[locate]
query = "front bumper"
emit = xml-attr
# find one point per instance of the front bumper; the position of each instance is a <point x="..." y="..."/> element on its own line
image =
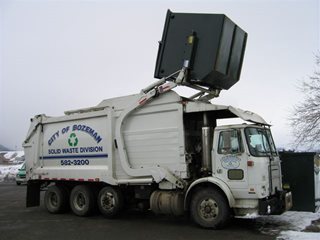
<point x="277" y="204"/>
<point x="21" y="179"/>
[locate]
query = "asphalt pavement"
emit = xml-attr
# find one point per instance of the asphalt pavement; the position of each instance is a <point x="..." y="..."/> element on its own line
<point x="19" y="222"/>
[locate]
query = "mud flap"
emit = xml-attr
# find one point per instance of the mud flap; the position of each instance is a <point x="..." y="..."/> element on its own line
<point x="33" y="194"/>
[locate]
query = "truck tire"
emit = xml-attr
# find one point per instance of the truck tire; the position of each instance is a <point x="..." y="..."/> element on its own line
<point x="110" y="201"/>
<point x="56" y="199"/>
<point x="209" y="208"/>
<point x="82" y="200"/>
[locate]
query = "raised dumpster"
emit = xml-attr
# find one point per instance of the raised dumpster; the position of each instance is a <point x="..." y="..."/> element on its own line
<point x="210" y="45"/>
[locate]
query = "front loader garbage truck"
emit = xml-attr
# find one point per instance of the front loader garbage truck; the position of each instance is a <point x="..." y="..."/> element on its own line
<point x="157" y="150"/>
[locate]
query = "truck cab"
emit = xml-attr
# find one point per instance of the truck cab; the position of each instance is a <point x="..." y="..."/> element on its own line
<point x="245" y="157"/>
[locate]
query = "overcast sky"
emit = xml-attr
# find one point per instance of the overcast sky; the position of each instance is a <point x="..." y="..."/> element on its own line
<point x="63" y="55"/>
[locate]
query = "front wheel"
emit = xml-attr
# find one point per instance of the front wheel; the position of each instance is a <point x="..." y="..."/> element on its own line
<point x="209" y="208"/>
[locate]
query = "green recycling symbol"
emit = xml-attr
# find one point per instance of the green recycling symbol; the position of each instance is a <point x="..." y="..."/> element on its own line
<point x="73" y="140"/>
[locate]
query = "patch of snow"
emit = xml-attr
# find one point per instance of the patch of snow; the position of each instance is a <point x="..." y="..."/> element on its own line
<point x="249" y="216"/>
<point x="288" y="225"/>
<point x="293" y="235"/>
<point x="291" y="220"/>
<point x="14" y="154"/>
<point x="14" y="157"/>
<point x="8" y="173"/>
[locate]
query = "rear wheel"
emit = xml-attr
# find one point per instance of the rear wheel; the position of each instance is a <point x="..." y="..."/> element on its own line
<point x="82" y="200"/>
<point x="56" y="199"/>
<point x="110" y="201"/>
<point x="209" y="208"/>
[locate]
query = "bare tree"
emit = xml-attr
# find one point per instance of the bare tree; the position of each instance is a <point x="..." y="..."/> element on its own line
<point x="305" y="118"/>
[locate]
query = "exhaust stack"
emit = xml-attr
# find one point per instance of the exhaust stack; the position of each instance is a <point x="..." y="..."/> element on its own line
<point x="207" y="136"/>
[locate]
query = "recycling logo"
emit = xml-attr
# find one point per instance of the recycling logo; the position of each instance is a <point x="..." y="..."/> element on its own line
<point x="73" y="140"/>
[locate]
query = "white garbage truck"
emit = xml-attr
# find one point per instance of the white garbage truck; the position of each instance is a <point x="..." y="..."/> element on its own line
<point x="159" y="151"/>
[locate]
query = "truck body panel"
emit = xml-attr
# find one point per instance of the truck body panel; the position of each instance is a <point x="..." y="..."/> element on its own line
<point x="82" y="146"/>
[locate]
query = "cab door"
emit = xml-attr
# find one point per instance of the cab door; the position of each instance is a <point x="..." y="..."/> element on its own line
<point x="230" y="160"/>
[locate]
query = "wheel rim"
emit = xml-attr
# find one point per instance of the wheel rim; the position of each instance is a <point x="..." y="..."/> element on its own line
<point x="53" y="199"/>
<point x="79" y="202"/>
<point x="208" y="209"/>
<point x="107" y="201"/>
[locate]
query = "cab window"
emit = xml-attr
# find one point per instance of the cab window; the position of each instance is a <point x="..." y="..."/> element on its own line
<point x="229" y="142"/>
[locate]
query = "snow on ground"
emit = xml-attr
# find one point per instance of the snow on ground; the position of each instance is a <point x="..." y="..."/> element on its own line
<point x="14" y="157"/>
<point x="9" y="172"/>
<point x="290" y="220"/>
<point x="293" y="235"/>
<point x="11" y="157"/>
<point x="289" y="225"/>
<point x="14" y="154"/>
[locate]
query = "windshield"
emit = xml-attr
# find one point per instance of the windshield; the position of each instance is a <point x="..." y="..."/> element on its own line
<point x="260" y="142"/>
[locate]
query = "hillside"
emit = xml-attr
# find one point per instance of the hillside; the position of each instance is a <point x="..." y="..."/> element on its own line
<point x="3" y="148"/>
